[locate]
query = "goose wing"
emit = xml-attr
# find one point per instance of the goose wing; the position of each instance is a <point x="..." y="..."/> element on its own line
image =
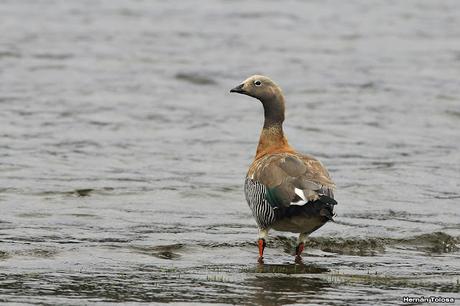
<point x="293" y="179"/>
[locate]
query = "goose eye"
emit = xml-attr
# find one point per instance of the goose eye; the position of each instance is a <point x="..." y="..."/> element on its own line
<point x="257" y="83"/>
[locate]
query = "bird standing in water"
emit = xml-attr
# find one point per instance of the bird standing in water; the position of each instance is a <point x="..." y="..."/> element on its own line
<point x="286" y="190"/>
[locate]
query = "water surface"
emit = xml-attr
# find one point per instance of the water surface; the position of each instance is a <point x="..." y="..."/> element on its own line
<point x="123" y="155"/>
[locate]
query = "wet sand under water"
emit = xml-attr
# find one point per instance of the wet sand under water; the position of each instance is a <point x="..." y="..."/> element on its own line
<point x="123" y="155"/>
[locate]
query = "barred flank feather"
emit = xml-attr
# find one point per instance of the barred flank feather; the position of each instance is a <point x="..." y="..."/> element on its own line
<point x="261" y="210"/>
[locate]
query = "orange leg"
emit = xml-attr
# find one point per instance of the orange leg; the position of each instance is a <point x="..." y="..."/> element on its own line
<point x="299" y="249"/>
<point x="262" y="245"/>
<point x="300" y="246"/>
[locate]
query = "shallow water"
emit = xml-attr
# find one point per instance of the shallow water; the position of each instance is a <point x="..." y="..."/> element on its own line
<point x="123" y="154"/>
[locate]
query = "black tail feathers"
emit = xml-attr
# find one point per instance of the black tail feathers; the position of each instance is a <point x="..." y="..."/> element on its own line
<point x="328" y="210"/>
<point x="324" y="207"/>
<point x="327" y="200"/>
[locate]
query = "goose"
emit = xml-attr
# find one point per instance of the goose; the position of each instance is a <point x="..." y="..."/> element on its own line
<point x="286" y="190"/>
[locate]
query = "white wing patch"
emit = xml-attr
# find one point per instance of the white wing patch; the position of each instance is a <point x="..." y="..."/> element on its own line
<point x="301" y="194"/>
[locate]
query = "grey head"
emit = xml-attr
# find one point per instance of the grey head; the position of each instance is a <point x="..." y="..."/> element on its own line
<point x="259" y="87"/>
<point x="270" y="94"/>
